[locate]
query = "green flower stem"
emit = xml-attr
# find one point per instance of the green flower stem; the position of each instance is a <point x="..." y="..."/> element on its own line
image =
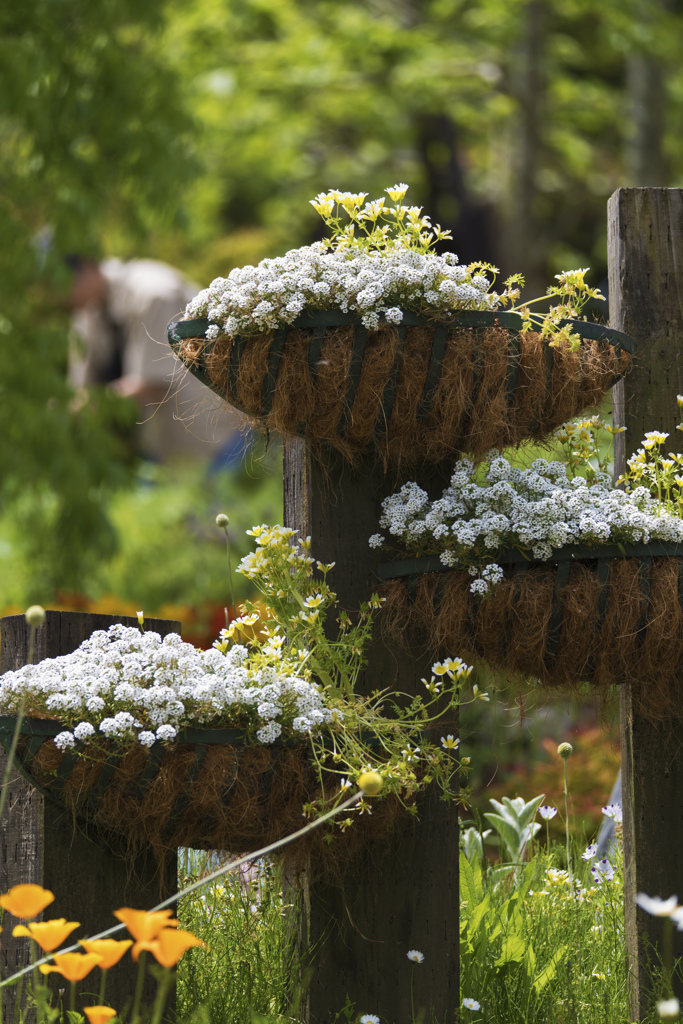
<point x="163" y="988"/>
<point x="412" y="1001"/>
<point x="566" y="823"/>
<point x="72" y="996"/>
<point x="103" y="983"/>
<point x="135" y="1013"/>
<point x="225" y="528"/>
<point x="668" y="955"/>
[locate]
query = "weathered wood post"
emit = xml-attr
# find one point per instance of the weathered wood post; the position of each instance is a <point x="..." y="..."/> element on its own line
<point x="645" y="229"/>
<point x="40" y="843"/>
<point x="396" y="896"/>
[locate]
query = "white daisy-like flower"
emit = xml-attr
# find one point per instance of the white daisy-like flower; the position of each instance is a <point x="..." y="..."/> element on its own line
<point x="656" y="906"/>
<point x="415" y="955"/>
<point x="369" y="1018"/>
<point x="471" y="1004"/>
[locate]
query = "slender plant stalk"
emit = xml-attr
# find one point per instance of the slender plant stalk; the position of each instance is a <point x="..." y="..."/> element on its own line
<point x="72" y="996"/>
<point x="103" y="983"/>
<point x="17" y="727"/>
<point x="135" y="1013"/>
<point x="566" y="823"/>
<point x="223" y="523"/>
<point x="163" y="988"/>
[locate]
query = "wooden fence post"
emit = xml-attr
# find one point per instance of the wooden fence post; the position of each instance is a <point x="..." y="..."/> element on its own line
<point x="39" y="843"/>
<point x="645" y="231"/>
<point x="401" y="895"/>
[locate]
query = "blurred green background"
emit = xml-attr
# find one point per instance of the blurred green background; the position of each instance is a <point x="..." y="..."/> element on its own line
<point x="195" y="132"/>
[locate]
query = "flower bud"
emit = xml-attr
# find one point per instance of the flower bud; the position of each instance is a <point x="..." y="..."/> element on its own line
<point x="370" y="783"/>
<point x="35" y="615"/>
<point x="222" y="521"/>
<point x="565" y="750"/>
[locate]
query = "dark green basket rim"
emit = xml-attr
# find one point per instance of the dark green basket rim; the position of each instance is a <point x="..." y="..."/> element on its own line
<point x="513" y="556"/>
<point x="178" y="329"/>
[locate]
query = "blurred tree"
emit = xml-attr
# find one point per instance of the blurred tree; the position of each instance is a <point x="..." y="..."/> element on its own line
<point x="513" y="120"/>
<point x="91" y="131"/>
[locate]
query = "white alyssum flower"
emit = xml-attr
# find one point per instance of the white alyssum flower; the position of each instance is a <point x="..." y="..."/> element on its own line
<point x="539" y="510"/>
<point x="64" y="740"/>
<point x="377" y="286"/>
<point x="124" y="684"/>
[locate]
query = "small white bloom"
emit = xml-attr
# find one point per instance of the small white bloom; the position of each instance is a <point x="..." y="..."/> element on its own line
<point x="669" y="1009"/>
<point x="656" y="906"/>
<point x="83" y="730"/>
<point x="369" y="1018"/>
<point x="166" y="732"/>
<point x="415" y="955"/>
<point x="613" y="811"/>
<point x="64" y="740"/>
<point x="547" y="812"/>
<point x="146" y="738"/>
<point x="590" y="852"/>
<point x="471" y="1004"/>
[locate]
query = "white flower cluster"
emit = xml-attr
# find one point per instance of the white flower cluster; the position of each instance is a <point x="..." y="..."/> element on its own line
<point x="123" y="683"/>
<point x="538" y="509"/>
<point x="374" y="285"/>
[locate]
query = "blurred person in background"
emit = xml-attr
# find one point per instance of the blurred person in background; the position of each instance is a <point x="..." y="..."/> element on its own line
<point x="120" y="312"/>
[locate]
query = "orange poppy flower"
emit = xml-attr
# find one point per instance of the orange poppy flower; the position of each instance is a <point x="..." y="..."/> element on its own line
<point x="72" y="966"/>
<point x="144" y="925"/>
<point x="26" y="900"/>
<point x="48" y="934"/>
<point x="99" y="1014"/>
<point x="169" y="946"/>
<point x="110" y="950"/>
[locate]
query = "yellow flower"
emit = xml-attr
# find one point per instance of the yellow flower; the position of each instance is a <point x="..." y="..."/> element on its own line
<point x="144" y="925"/>
<point x="110" y="950"/>
<point x="99" y="1014"/>
<point x="440" y="668"/>
<point x="26" y="900"/>
<point x="72" y="966"/>
<point x="169" y="946"/>
<point x="48" y="934"/>
<point x="449" y="743"/>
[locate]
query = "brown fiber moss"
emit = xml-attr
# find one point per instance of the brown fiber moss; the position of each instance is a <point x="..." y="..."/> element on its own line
<point x="241" y="799"/>
<point x="470" y="410"/>
<point x="638" y="640"/>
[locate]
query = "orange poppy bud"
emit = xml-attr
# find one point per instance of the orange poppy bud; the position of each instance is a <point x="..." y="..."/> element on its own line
<point x="72" y="966"/>
<point x="110" y="950"/>
<point x="99" y="1014"/>
<point x="169" y="946"/>
<point x="144" y="925"/>
<point x="26" y="900"/>
<point x="48" y="934"/>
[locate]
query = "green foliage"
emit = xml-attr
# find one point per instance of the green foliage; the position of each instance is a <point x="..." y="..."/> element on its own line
<point x="91" y="128"/>
<point x="522" y="108"/>
<point x="251" y="972"/>
<point x="169" y="551"/>
<point x="515" y="824"/>
<point x="534" y="948"/>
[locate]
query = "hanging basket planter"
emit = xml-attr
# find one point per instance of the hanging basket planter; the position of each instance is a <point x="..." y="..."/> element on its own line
<point x="423" y="391"/>
<point x="609" y="615"/>
<point x="208" y="790"/>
